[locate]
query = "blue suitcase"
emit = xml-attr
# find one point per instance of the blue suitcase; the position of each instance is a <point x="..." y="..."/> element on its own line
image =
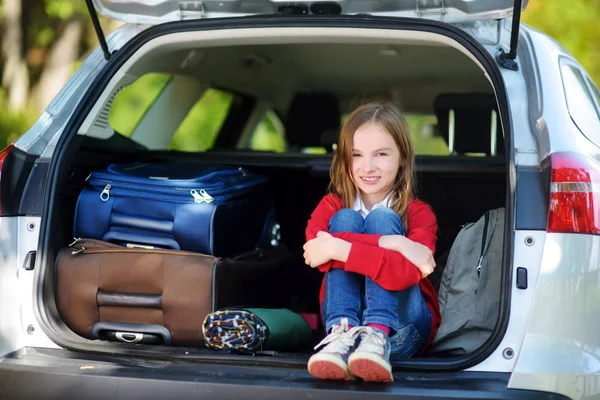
<point x="218" y="210"/>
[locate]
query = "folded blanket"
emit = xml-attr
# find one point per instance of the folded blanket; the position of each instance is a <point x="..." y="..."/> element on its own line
<point x="254" y="329"/>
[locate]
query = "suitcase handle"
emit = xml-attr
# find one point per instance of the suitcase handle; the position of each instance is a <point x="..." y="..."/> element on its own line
<point x="136" y="238"/>
<point x="143" y="223"/>
<point x="124" y="330"/>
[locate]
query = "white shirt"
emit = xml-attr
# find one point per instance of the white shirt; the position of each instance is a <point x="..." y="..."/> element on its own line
<point x="362" y="209"/>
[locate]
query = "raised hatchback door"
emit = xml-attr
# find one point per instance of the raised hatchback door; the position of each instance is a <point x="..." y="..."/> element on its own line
<point x="159" y="11"/>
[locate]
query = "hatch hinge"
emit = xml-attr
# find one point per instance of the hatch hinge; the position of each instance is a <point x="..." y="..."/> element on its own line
<point x="194" y="9"/>
<point x="98" y="29"/>
<point x="507" y="60"/>
<point x="430" y="7"/>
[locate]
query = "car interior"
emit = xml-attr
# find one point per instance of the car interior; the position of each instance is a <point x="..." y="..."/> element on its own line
<point x="305" y="89"/>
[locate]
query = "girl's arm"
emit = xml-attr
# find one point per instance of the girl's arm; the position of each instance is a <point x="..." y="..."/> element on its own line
<point x="391" y="269"/>
<point x="388" y="260"/>
<point x="319" y="222"/>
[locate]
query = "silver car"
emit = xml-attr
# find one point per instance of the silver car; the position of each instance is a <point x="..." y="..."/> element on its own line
<point x="502" y="116"/>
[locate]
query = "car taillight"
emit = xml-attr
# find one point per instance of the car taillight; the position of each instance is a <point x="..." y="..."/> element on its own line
<point x="574" y="194"/>
<point x="3" y="155"/>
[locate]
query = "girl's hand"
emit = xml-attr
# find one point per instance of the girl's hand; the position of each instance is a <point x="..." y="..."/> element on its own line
<point x="325" y="248"/>
<point x="414" y="252"/>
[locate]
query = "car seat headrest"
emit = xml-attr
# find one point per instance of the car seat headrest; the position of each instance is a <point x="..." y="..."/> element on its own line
<point x="310" y="115"/>
<point x="470" y="123"/>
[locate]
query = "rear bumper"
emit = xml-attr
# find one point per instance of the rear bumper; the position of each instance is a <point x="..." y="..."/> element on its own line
<point x="61" y="374"/>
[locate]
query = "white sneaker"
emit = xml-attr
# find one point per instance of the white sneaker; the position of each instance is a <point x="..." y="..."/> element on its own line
<point x="332" y="361"/>
<point x="371" y="359"/>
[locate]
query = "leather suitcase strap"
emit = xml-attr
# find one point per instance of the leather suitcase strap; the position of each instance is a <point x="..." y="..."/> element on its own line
<point x="102" y="282"/>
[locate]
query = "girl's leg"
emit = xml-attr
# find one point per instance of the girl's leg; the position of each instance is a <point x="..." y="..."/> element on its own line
<point x="341" y="307"/>
<point x="385" y="310"/>
<point x="414" y="322"/>
<point x="343" y="290"/>
<point x="381" y="305"/>
<point x="407" y="315"/>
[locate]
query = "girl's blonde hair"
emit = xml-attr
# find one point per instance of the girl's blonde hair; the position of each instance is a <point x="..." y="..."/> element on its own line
<point x="388" y="118"/>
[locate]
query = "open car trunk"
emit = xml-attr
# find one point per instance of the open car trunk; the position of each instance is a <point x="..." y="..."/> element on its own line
<point x="351" y="61"/>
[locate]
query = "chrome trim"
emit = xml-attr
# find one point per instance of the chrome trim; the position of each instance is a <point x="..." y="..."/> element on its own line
<point x="494" y="134"/>
<point x="137" y="337"/>
<point x="585" y="187"/>
<point x="451" y="133"/>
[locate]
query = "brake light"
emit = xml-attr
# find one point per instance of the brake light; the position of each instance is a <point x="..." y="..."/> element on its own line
<point x="3" y="155"/>
<point x="574" y="194"/>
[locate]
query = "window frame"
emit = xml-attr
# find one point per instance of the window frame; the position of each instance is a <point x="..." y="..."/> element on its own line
<point x="585" y="86"/>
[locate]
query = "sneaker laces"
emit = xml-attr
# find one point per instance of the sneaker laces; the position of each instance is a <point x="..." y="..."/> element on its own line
<point x="372" y="340"/>
<point x="341" y="339"/>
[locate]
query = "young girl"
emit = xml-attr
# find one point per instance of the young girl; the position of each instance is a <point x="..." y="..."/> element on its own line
<point x="374" y="291"/>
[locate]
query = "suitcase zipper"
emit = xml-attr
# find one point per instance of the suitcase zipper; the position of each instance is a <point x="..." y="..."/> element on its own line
<point x="176" y="184"/>
<point x="201" y="197"/>
<point x="91" y="246"/>
<point x="483" y="242"/>
<point x="198" y="195"/>
<point x="105" y="195"/>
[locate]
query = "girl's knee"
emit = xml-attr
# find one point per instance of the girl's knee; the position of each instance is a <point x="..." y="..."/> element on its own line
<point x="346" y="220"/>
<point x="385" y="221"/>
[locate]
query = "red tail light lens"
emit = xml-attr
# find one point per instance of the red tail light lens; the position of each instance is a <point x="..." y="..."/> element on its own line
<point x="574" y="194"/>
<point x="3" y="155"/>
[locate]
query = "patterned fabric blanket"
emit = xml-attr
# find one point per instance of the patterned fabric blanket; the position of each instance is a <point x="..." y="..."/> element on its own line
<point x="231" y="329"/>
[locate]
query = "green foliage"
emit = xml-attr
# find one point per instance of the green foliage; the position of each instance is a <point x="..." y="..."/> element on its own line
<point x="130" y="105"/>
<point x="575" y="24"/>
<point x="12" y="124"/>
<point x="426" y="139"/>
<point x="269" y="134"/>
<point x="199" y="129"/>
<point x="45" y="36"/>
<point x="64" y="9"/>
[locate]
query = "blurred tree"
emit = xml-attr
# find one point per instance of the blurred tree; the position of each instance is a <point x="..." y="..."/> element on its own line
<point x="43" y="42"/>
<point x="573" y="23"/>
<point x="65" y="27"/>
<point x="15" y="77"/>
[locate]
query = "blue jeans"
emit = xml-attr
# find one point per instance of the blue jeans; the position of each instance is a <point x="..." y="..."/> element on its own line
<point x="362" y="301"/>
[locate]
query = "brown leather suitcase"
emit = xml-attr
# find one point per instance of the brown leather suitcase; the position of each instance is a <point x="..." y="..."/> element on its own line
<point x="106" y="291"/>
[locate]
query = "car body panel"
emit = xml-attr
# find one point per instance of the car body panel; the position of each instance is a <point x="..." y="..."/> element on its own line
<point x="524" y="141"/>
<point x="60" y="374"/>
<point x="527" y="254"/>
<point x="555" y="129"/>
<point x="173" y="10"/>
<point x="561" y="346"/>
<point x="18" y="236"/>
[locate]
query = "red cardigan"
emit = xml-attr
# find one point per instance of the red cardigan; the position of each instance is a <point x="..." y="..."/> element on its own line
<point x="390" y="269"/>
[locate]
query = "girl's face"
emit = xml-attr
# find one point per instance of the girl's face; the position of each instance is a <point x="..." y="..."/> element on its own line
<point x="375" y="163"/>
